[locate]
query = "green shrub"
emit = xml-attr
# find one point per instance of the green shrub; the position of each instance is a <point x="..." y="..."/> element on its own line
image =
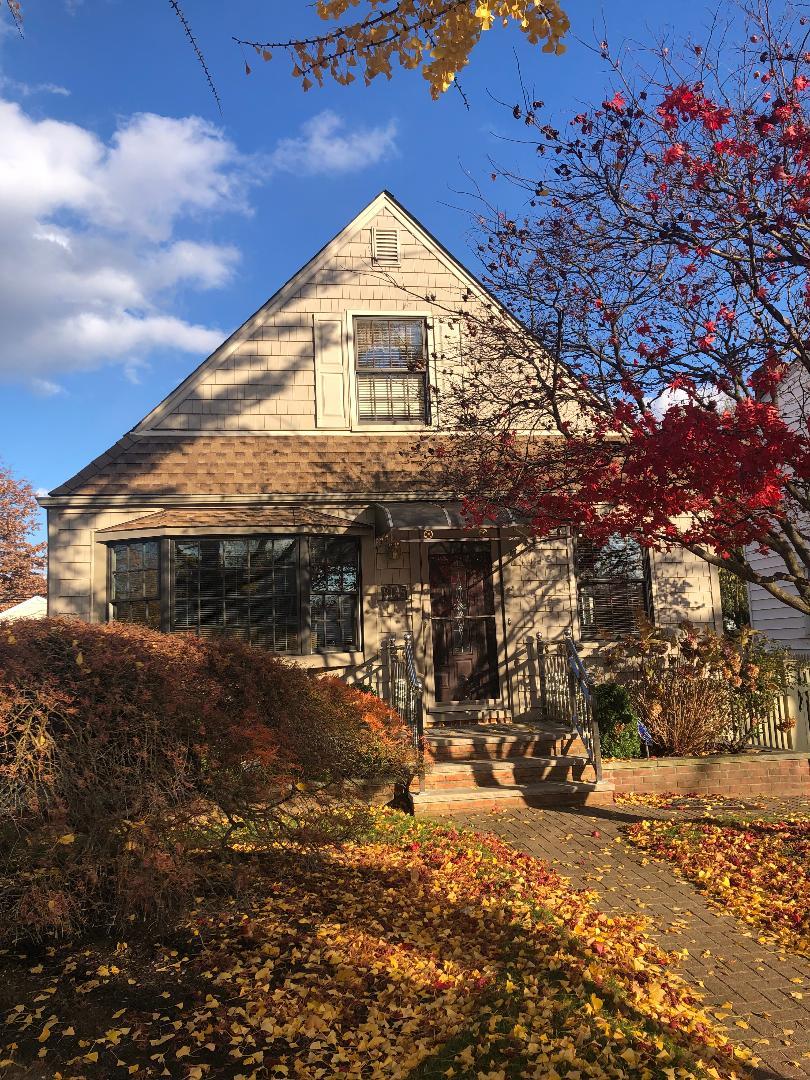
<point x="617" y="722"/>
<point x="124" y="751"/>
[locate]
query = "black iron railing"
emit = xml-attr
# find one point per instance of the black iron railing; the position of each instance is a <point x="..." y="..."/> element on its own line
<point x="566" y="694"/>
<point x="405" y="686"/>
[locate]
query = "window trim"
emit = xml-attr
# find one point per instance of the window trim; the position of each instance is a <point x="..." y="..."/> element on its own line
<point x="428" y="317"/>
<point x="592" y="636"/>
<point x="166" y="578"/>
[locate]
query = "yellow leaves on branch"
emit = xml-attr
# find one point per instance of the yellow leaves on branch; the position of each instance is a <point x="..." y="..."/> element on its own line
<point x="436" y="36"/>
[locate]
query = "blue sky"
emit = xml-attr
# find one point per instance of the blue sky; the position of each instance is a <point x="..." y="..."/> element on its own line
<point x="138" y="226"/>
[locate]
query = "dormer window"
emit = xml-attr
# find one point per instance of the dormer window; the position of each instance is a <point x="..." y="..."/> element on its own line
<point x="391" y="370"/>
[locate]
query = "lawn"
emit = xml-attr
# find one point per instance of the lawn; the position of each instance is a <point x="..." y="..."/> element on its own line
<point x="754" y="865"/>
<point x="418" y="952"/>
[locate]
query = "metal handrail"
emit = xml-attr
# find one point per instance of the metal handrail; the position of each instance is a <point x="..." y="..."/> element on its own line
<point x="405" y="687"/>
<point x="580" y="703"/>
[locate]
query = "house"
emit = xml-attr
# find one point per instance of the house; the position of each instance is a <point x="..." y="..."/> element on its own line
<point x="283" y="493"/>
<point x="33" y="607"/>
<point x="776" y="620"/>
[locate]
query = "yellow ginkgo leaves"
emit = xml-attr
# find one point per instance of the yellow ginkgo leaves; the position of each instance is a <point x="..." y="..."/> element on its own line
<point x="421" y="951"/>
<point x="434" y="35"/>
<point x="758" y="869"/>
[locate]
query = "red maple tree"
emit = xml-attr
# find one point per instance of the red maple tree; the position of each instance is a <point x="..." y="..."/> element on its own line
<point x="21" y="562"/>
<point x="659" y="266"/>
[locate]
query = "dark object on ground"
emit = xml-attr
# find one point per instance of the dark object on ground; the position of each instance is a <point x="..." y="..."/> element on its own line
<point x="402" y="800"/>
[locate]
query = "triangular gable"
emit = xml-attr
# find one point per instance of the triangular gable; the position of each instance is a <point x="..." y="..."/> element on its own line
<point x="226" y="373"/>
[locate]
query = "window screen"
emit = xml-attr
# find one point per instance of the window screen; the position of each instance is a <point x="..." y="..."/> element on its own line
<point x="246" y="587"/>
<point x="135" y="582"/>
<point x="391" y="370"/>
<point x="613" y="585"/>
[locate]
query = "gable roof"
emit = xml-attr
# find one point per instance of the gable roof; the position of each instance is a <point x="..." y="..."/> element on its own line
<point x="385" y="201"/>
<point x="232" y="465"/>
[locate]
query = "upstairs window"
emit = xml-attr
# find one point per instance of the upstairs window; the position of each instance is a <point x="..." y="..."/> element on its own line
<point x="135" y="582"/>
<point x="613" y="587"/>
<point x="391" y="370"/>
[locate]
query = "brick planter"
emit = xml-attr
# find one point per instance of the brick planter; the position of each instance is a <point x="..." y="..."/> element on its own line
<point x="780" y="773"/>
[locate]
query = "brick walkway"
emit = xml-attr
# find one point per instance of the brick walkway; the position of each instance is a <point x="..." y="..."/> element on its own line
<point x="769" y="990"/>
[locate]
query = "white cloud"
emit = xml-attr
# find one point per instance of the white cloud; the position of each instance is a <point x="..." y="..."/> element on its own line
<point x="326" y="146"/>
<point x="24" y="89"/>
<point x="97" y="237"/>
<point x="46" y="387"/>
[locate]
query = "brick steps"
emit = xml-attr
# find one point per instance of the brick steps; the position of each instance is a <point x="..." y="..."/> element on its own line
<point x="492" y="766"/>
<point x="498" y="742"/>
<point x="504" y="773"/>
<point x="545" y="793"/>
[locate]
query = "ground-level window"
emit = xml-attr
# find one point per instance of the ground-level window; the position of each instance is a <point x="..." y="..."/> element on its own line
<point x="391" y="370"/>
<point x="290" y="594"/>
<point x="135" y="582"/>
<point x="334" y="572"/>
<point x="613" y="587"/>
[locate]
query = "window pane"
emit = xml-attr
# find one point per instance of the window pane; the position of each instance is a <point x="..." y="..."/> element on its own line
<point x="245" y="587"/>
<point x="334" y="592"/>
<point x="613" y="587"/>
<point x="391" y="398"/>
<point x="389" y="344"/>
<point x="135" y="582"/>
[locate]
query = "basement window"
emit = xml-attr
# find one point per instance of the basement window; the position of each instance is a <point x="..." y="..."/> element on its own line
<point x="391" y="370"/>
<point x="613" y="587"/>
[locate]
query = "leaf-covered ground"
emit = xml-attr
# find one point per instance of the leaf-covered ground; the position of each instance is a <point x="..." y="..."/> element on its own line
<point x="753" y="865"/>
<point x="421" y="952"/>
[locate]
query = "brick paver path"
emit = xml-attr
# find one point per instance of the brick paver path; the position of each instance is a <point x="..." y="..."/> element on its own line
<point x="769" y="990"/>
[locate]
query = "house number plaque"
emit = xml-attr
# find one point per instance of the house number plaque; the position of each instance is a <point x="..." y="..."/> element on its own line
<point x="393" y="592"/>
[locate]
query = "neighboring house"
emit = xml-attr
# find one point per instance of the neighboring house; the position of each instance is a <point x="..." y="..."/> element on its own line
<point x="279" y="494"/>
<point x="34" y="607"/>
<point x="778" y="621"/>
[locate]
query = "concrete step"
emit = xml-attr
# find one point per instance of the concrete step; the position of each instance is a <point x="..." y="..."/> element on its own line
<point x="548" y="793"/>
<point x="501" y="742"/>
<point x="446" y="776"/>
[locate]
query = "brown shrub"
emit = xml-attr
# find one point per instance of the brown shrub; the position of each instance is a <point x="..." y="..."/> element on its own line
<point x="697" y="691"/>
<point x="123" y="752"/>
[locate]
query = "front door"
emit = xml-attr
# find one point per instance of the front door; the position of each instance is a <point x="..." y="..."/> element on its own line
<point x="462" y="601"/>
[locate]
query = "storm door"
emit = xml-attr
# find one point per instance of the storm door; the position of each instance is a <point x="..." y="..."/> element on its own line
<point x="462" y="601"/>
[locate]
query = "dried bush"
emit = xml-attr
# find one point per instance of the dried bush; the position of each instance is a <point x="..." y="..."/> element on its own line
<point x="697" y="691"/>
<point x="125" y="752"/>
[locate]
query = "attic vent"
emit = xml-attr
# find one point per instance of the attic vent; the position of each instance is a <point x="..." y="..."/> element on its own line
<point x="385" y="247"/>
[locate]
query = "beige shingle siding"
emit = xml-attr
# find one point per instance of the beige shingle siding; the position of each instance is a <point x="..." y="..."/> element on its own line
<point x="268" y="384"/>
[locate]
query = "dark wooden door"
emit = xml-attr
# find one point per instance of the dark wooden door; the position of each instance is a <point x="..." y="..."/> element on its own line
<point x="462" y="601"/>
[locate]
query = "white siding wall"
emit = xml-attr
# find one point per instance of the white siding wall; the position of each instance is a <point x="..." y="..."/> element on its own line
<point x="769" y="615"/>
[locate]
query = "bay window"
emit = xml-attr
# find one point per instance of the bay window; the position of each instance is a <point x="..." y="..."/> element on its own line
<point x="289" y="594"/>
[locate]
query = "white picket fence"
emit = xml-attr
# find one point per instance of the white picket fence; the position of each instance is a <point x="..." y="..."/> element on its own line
<point x="793" y="705"/>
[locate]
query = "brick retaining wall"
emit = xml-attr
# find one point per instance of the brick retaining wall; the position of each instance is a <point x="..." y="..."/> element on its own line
<point x="776" y="773"/>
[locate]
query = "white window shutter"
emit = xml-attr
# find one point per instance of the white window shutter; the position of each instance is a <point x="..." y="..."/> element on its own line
<point x="385" y="247"/>
<point x="331" y="381"/>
